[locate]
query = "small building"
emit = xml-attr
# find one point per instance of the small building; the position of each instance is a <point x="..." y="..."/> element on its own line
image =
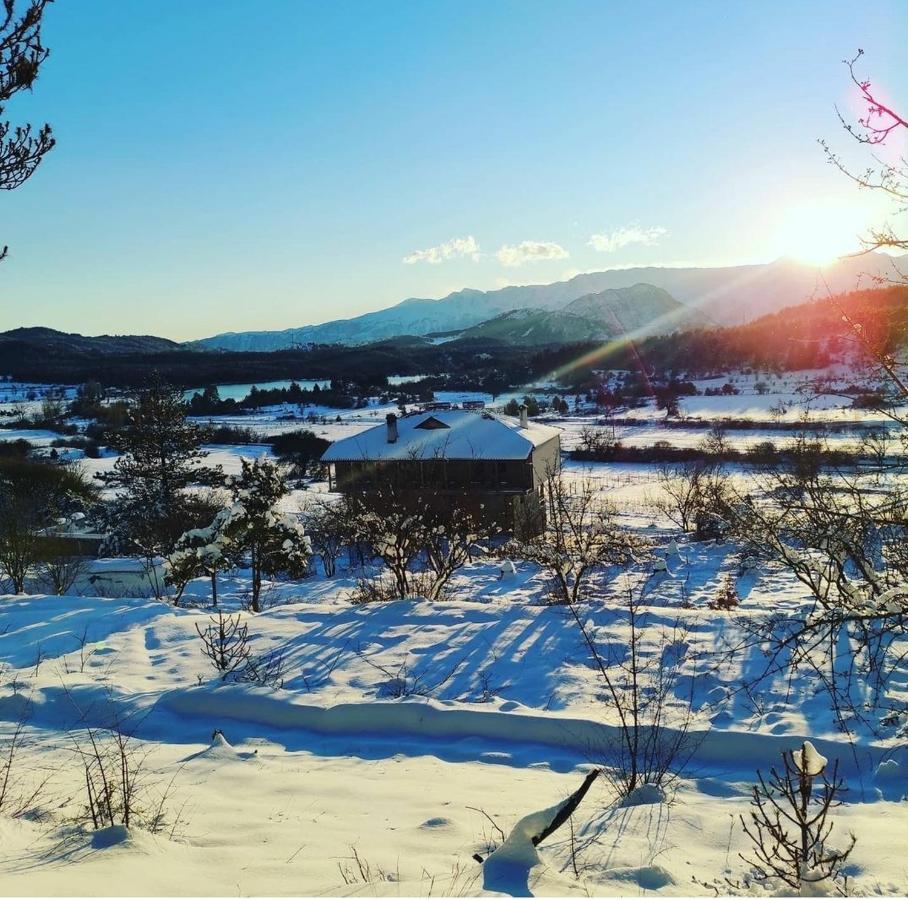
<point x="494" y="466"/>
<point x="127" y="577"/>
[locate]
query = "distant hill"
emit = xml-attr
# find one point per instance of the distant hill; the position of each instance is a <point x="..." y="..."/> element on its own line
<point x="49" y="342"/>
<point x="638" y="310"/>
<point x="806" y="336"/>
<point x="726" y="296"/>
<point x="641" y="308"/>
<point x="534" y="327"/>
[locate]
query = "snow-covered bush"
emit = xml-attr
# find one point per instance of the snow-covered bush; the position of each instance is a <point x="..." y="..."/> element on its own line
<point x="199" y="552"/>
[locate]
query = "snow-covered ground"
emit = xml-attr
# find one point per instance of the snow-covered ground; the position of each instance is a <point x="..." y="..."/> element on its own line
<point x="404" y="735"/>
<point x="400" y="725"/>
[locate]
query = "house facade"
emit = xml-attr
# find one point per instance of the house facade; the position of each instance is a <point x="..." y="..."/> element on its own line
<point x="493" y="466"/>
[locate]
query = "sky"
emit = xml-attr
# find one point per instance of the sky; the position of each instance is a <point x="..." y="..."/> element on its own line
<point x="231" y="166"/>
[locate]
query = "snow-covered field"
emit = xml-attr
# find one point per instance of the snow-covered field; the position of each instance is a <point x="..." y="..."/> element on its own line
<point x="399" y="726"/>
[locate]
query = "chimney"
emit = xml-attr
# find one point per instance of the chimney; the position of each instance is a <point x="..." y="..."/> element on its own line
<point x="523" y="415"/>
<point x="391" y="421"/>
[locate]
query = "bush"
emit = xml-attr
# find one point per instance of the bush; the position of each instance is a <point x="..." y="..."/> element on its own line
<point x="302" y="450"/>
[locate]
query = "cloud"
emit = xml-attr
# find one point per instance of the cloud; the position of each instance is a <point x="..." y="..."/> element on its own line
<point x="629" y="234"/>
<point x="453" y="249"/>
<point x="530" y="251"/>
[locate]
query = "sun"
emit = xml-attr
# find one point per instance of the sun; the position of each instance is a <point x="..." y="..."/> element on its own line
<point x="818" y="234"/>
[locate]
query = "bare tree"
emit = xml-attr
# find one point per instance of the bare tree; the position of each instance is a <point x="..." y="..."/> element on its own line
<point x="878" y="123"/>
<point x="330" y="531"/>
<point x="843" y="537"/>
<point x="684" y="492"/>
<point x="580" y="538"/>
<point x="60" y="568"/>
<point x="21" y="56"/>
<point x="32" y="495"/>
<point x="789" y="826"/>
<point x="393" y="525"/>
<point x="640" y="677"/>
<point x="452" y="536"/>
<point x="225" y="642"/>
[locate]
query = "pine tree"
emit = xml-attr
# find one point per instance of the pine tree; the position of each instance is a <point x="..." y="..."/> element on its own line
<point x="161" y="457"/>
<point x="253" y="525"/>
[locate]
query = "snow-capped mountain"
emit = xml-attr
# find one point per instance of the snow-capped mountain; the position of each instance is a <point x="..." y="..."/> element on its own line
<point x="726" y="295"/>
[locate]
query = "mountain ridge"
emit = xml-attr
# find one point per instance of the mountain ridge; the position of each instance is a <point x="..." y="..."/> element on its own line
<point x="724" y="294"/>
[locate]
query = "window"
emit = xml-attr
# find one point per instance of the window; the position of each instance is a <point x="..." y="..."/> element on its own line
<point x="431" y="424"/>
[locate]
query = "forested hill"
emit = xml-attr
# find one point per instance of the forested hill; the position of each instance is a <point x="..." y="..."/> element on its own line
<point x="809" y="335"/>
<point x="52" y="343"/>
<point x="490" y="364"/>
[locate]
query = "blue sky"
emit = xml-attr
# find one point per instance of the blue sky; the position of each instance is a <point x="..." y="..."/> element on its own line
<point x="229" y="165"/>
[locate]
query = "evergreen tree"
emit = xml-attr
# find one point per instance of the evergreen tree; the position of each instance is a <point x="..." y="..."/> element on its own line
<point x="161" y="457"/>
<point x="253" y="525"/>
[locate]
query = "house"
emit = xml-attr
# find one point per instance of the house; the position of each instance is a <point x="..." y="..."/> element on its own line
<point x="494" y="466"/>
<point x="71" y="537"/>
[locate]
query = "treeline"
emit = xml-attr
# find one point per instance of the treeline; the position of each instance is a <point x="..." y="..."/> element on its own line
<point x="764" y="453"/>
<point x="339" y="394"/>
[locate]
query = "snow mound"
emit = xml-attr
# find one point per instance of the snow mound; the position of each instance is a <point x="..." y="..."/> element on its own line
<point x="519" y="849"/>
<point x="123" y="839"/>
<point x="113" y="836"/>
<point x="436" y="822"/>
<point x="650" y="878"/>
<point x="507" y="869"/>
<point x="221" y="750"/>
<point x="643" y="795"/>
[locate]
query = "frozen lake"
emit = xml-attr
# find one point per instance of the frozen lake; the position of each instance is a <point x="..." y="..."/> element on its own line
<point x="241" y="391"/>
